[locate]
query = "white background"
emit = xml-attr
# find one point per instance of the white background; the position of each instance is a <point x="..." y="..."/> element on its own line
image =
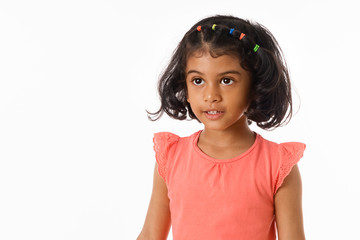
<point x="76" y="157"/>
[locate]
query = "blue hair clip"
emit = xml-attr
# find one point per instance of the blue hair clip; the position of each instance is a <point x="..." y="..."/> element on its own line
<point x="231" y="31"/>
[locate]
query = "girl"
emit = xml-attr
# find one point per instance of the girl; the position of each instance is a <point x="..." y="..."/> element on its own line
<point x="226" y="181"/>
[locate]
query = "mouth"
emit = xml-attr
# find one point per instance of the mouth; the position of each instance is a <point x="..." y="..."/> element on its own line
<point x="214" y="114"/>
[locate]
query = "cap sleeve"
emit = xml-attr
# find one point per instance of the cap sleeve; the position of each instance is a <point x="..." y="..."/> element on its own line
<point x="290" y="154"/>
<point x="164" y="145"/>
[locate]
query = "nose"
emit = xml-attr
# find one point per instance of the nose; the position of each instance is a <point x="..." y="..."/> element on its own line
<point x="212" y="94"/>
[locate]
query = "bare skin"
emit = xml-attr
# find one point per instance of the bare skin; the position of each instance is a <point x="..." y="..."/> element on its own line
<point x="288" y="210"/>
<point x="288" y="207"/>
<point x="222" y="85"/>
<point x="158" y="221"/>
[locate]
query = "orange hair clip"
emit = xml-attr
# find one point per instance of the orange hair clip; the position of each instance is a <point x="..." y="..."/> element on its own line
<point x="199" y="28"/>
<point x="242" y="35"/>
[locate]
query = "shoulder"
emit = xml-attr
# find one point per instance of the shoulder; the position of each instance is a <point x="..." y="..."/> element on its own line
<point x="162" y="137"/>
<point x="166" y="145"/>
<point x="165" y="142"/>
<point x="284" y="149"/>
<point x="165" y="135"/>
<point x="170" y="138"/>
<point x="283" y="157"/>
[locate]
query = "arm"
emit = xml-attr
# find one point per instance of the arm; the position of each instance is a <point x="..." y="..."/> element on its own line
<point x="288" y="207"/>
<point x="157" y="223"/>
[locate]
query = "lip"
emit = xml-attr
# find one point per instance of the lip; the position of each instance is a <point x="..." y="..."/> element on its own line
<point x="214" y="116"/>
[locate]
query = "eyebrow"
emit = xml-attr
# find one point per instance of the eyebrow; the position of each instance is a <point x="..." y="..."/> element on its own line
<point x="220" y="74"/>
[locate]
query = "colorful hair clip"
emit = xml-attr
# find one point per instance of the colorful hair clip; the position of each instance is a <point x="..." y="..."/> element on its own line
<point x="256" y="47"/>
<point x="199" y="28"/>
<point x="213" y="27"/>
<point x="242" y="35"/>
<point x="231" y="31"/>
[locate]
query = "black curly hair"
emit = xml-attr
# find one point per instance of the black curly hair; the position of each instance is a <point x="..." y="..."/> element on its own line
<point x="271" y="105"/>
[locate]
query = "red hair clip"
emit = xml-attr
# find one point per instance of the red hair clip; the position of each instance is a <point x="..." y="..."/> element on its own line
<point x="199" y="28"/>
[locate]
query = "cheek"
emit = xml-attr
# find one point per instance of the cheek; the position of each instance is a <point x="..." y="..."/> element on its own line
<point x="190" y="95"/>
<point x="187" y="92"/>
<point x="246" y="93"/>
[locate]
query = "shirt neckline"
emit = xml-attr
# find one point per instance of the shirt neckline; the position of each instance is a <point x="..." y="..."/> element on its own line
<point x="201" y="153"/>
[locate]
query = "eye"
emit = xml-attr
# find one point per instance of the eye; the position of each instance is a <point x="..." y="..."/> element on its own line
<point x="227" y="81"/>
<point x="198" y="81"/>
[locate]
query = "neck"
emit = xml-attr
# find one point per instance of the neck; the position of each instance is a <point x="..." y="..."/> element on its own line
<point x="237" y="135"/>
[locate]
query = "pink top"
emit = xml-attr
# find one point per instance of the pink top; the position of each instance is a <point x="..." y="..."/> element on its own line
<point x="223" y="199"/>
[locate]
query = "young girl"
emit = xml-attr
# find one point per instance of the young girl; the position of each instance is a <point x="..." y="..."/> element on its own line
<point x="226" y="182"/>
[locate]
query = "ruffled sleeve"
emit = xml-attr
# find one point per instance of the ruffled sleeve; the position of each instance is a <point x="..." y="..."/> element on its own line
<point x="290" y="154"/>
<point x="164" y="146"/>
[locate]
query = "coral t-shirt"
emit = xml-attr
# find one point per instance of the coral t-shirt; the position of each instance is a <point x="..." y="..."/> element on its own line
<point x="213" y="199"/>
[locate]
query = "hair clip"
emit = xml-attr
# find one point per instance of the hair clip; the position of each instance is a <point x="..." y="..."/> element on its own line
<point x="199" y="28"/>
<point x="256" y="47"/>
<point x="213" y="27"/>
<point x="242" y="35"/>
<point x="231" y="31"/>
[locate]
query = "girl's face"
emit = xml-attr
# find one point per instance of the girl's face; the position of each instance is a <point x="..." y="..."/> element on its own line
<point x="218" y="90"/>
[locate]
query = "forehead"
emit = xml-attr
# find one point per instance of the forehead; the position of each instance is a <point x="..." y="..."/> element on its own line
<point x="206" y="61"/>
